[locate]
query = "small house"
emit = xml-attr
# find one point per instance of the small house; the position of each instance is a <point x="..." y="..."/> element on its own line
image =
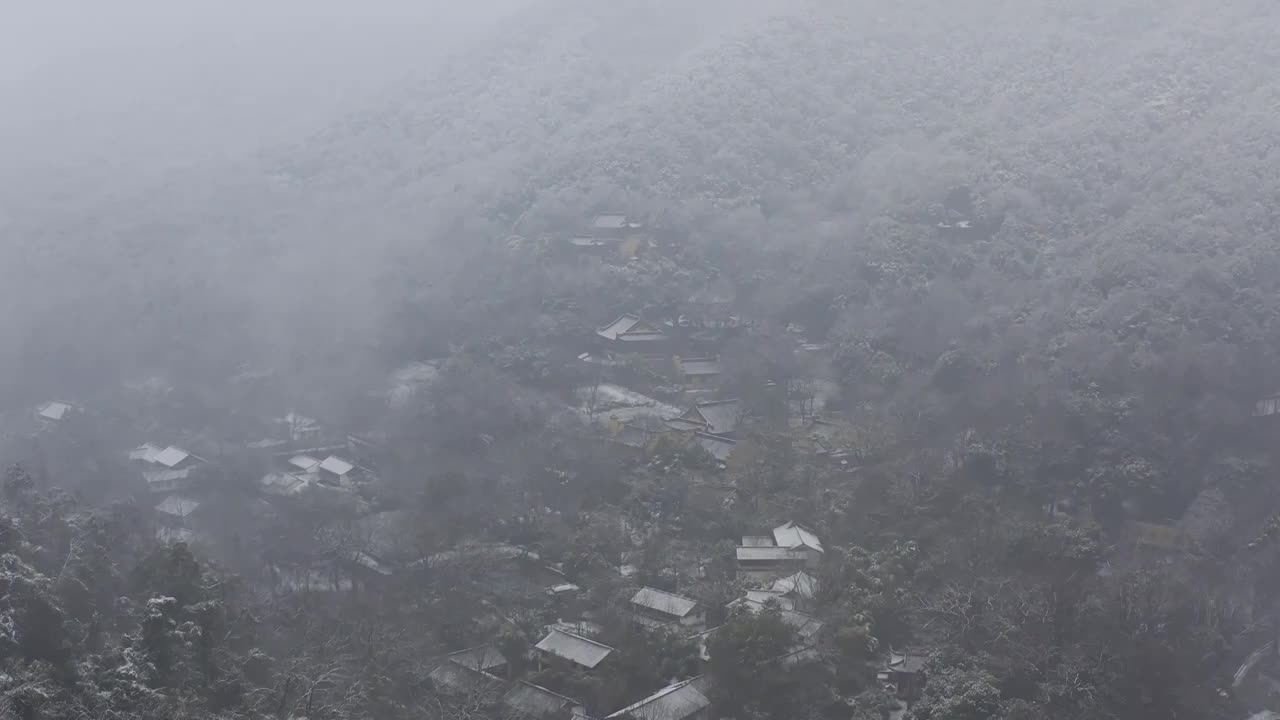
<point x="630" y="334"/>
<point x="613" y="225"/>
<point x="575" y="650"/>
<point x="336" y="470"/>
<point x="1267" y="406"/>
<point x="800" y="589"/>
<point x="791" y="549"/>
<point x="717" y="417"/>
<point x="768" y="562"/>
<point x="168" y="469"/>
<point x="53" y="412"/>
<point x="653" y="608"/>
<point x="686" y="700"/>
<point x="698" y="374"/>
<point x="798" y="537"/>
<point x="533" y="702"/>
<point x="176" y="519"/>
<point x="904" y="675"/>
<point x="719" y="446"/>
<point x="482" y="657"/>
<point x="477" y="669"/>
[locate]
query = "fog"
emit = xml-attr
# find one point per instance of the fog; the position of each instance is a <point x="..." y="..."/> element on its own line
<point x="123" y="92"/>
<point x="666" y="359"/>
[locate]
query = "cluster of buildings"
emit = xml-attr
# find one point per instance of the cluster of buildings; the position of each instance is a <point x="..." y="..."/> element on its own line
<point x="786" y="584"/>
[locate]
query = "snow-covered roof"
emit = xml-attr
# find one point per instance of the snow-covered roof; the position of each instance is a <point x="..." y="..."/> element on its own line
<point x="537" y="701"/>
<point x="795" y="535"/>
<point x="674" y="702"/>
<point x="178" y="506"/>
<point x="284" y="484"/>
<point x="609" y="221"/>
<point x="336" y="465"/>
<point x="461" y="678"/>
<point x="802" y="584"/>
<point x="483" y="657"/>
<point x="627" y="327"/>
<point x="719" y="447"/>
<point x="306" y="463"/>
<point x="171" y="456"/>
<point x="721" y="416"/>
<point x="145" y="452"/>
<point x="54" y="410"/>
<point x="574" y="648"/>
<point x="664" y="602"/>
<point x="700" y="366"/>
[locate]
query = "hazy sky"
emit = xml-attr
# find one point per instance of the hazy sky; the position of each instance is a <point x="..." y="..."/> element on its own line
<point x="92" y="86"/>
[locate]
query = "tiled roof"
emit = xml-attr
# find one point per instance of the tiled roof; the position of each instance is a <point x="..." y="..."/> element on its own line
<point x="664" y="602"/>
<point x="574" y="648"/>
<point x="674" y="702"/>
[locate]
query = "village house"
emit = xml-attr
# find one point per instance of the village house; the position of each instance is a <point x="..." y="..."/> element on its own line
<point x="168" y="469"/>
<point x="533" y="702"/>
<point x="630" y="334"/>
<point x="800" y="590"/>
<point x="903" y="675"/>
<point x="698" y="375"/>
<point x="53" y="412"/>
<point x="718" y="446"/>
<point x="579" y="652"/>
<point x="175" y="517"/>
<point x="715" y="417"/>
<point x="614" y="225"/>
<point x="653" y="608"/>
<point x="604" y="248"/>
<point x="467" y="670"/>
<point x="686" y="700"/>
<point x="790" y="549"/>
<point x="1267" y="406"/>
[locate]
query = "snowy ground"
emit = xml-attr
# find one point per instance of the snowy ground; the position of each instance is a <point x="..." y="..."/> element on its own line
<point x="617" y="403"/>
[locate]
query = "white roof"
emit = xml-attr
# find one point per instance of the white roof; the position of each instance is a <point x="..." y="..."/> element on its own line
<point x="171" y="456"/>
<point x="609" y="220"/>
<point x="674" y="702"/>
<point x="664" y="602"/>
<point x="54" y="410"/>
<point x="304" y="462"/>
<point x="284" y="483"/>
<point x="145" y="452"/>
<point x="178" y="506"/>
<point x="622" y="325"/>
<point x="574" y="648"/>
<point x="336" y="465"/>
<point x="802" y="584"/>
<point x="794" y="535"/>
<point x="700" y="366"/>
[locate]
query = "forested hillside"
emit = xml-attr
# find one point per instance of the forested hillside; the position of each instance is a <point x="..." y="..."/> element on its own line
<point x="994" y="291"/>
